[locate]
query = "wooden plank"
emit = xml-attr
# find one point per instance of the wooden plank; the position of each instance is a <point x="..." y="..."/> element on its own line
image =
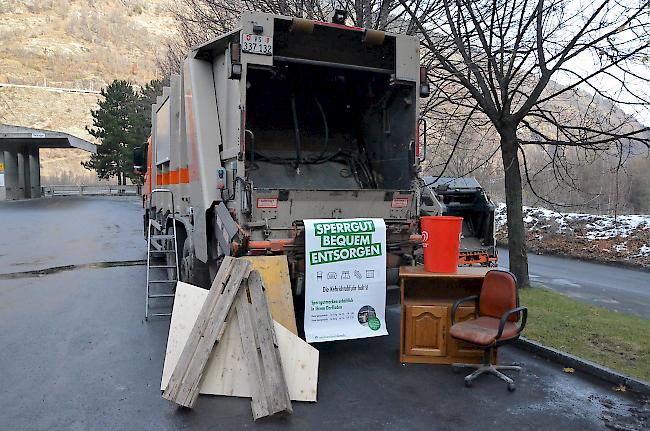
<point x="226" y="372"/>
<point x="259" y="402"/>
<point x="275" y="385"/>
<point x="277" y="287"/>
<point x="183" y="387"/>
<point x="270" y="394"/>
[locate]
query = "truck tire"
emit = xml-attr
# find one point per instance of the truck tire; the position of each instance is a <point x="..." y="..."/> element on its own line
<point x="192" y="270"/>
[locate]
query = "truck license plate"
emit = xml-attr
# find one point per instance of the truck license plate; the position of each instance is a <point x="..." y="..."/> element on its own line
<point x="256" y="44"/>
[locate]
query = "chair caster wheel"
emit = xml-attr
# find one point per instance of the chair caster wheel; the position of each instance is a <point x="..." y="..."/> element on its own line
<point x="468" y="383"/>
<point x="511" y="387"/>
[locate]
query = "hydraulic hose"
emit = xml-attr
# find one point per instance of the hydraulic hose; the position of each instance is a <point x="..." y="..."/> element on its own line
<point x="326" y="130"/>
<point x="296" y="128"/>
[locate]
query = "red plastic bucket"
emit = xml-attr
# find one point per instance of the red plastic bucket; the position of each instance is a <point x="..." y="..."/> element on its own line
<point x="441" y="242"/>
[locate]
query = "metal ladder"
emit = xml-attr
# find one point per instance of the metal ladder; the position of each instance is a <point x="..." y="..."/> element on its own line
<point x="158" y="243"/>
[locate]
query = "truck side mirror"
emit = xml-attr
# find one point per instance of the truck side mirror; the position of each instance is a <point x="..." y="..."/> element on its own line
<point x="139" y="162"/>
<point x="425" y="88"/>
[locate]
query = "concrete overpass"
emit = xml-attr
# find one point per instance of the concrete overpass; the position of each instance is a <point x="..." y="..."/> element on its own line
<point x="20" y="169"/>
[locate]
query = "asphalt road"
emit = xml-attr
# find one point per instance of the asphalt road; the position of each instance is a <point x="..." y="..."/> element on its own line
<point x="77" y="354"/>
<point x="52" y="232"/>
<point x="614" y="287"/>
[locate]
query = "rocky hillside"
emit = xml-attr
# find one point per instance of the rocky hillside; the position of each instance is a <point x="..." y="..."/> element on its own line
<point x="73" y="44"/>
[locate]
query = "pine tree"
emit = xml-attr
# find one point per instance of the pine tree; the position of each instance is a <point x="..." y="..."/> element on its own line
<point x="147" y="97"/>
<point x="119" y="126"/>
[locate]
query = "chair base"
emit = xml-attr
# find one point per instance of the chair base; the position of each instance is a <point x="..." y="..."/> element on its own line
<point x="488" y="367"/>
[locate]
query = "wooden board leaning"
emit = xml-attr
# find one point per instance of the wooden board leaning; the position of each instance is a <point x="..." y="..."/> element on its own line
<point x="183" y="387"/>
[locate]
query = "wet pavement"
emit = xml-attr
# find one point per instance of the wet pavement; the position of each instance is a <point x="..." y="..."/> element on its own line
<point x="77" y="355"/>
<point x="59" y="231"/>
<point x="614" y="287"/>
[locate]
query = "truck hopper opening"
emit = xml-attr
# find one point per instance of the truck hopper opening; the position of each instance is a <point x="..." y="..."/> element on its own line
<point x="318" y="127"/>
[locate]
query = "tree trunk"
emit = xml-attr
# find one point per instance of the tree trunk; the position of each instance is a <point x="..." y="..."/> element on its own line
<point x="516" y="228"/>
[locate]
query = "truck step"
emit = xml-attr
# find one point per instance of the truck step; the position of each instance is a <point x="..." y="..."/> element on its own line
<point x="163" y="266"/>
<point x="161" y="237"/>
<point x="161" y="295"/>
<point x="162" y="251"/>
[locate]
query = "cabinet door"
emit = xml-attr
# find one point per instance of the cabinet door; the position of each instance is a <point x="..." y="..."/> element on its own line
<point x="457" y="347"/>
<point x="426" y="330"/>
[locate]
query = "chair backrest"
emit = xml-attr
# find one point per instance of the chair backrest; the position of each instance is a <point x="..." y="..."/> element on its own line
<point x="499" y="294"/>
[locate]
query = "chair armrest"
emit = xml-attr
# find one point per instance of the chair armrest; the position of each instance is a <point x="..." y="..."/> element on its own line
<point x="504" y="318"/>
<point x="454" y="308"/>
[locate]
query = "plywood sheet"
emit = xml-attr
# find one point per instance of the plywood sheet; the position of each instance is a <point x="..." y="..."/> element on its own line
<point x="275" y="275"/>
<point x="226" y="372"/>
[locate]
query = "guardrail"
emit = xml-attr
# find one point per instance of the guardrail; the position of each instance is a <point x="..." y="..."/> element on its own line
<point x="61" y="190"/>
<point x="55" y="89"/>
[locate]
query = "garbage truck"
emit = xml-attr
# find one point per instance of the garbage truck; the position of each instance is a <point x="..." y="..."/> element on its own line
<point x="464" y="197"/>
<point x="281" y="120"/>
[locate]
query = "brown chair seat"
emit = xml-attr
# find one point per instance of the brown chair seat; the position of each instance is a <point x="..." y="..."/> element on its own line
<point x="482" y="331"/>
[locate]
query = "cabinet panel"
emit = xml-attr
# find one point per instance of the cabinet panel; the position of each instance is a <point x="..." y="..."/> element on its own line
<point x="426" y="328"/>
<point x="457" y="347"/>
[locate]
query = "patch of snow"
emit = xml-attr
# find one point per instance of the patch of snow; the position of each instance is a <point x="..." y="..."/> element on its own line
<point x="593" y="227"/>
<point x="542" y="222"/>
<point x="644" y="250"/>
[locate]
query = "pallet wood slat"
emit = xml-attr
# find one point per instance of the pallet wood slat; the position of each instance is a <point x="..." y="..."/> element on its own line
<point x="259" y="403"/>
<point x="275" y="384"/>
<point x="183" y="387"/>
<point x="270" y="394"/>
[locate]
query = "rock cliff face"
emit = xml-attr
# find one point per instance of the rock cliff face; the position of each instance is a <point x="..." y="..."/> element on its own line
<point x="85" y="44"/>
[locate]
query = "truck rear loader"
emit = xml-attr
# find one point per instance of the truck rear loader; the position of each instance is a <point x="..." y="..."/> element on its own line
<point x="281" y="120"/>
<point x="464" y="197"/>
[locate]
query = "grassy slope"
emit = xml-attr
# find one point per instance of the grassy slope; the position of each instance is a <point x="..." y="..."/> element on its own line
<point x="616" y="340"/>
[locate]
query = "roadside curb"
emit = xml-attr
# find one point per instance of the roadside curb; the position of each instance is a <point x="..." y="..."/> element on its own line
<point x="584" y="365"/>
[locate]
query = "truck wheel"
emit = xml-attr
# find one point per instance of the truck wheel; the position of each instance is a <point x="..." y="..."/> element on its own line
<point x="192" y="270"/>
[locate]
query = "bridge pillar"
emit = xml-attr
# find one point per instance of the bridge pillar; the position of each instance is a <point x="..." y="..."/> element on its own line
<point x="22" y="172"/>
<point x="11" y="175"/>
<point x="34" y="173"/>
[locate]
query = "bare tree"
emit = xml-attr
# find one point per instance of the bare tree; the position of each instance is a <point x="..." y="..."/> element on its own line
<point x="497" y="61"/>
<point x="494" y="66"/>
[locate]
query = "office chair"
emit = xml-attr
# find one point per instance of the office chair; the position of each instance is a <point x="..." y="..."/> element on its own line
<point x="496" y="311"/>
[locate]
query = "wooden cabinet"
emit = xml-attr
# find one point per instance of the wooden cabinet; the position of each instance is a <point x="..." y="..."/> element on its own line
<point x="427" y="300"/>
<point x="426" y="330"/>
